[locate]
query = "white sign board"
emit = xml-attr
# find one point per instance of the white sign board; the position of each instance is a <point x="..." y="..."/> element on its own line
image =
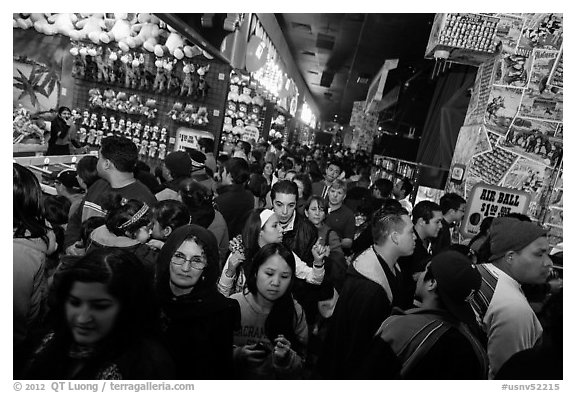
<point x="188" y="138"/>
<point x="486" y="200"/>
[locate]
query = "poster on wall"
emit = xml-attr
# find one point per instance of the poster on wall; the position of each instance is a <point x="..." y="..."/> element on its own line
<point x="532" y="177"/>
<point x="489" y="167"/>
<point x="543" y="31"/>
<point x="508" y="31"/>
<point x="488" y="200"/>
<point x="546" y="105"/>
<point x="557" y="75"/>
<point x="560" y="131"/>
<point x="472" y="141"/>
<point x="534" y="144"/>
<point x="512" y="70"/>
<point x="502" y="107"/>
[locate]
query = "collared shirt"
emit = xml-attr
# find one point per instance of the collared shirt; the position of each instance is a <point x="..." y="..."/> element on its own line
<point x="289" y="225"/>
<point x="510" y="322"/>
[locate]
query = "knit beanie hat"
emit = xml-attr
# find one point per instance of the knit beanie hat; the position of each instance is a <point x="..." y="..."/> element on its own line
<point x="511" y="234"/>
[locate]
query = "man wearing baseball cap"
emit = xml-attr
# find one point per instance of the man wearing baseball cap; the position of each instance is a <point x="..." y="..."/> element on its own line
<point x="67" y="185"/>
<point x="519" y="255"/>
<point x="433" y="341"/>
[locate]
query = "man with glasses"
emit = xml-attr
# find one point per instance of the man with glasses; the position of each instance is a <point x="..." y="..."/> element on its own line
<point x="453" y="207"/>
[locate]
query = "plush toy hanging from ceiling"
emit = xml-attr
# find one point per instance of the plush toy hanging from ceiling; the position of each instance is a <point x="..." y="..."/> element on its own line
<point x="91" y="27"/>
<point x="190" y="82"/>
<point x="173" y="45"/>
<point x="62" y="23"/>
<point x="120" y="30"/>
<point x="145" y="32"/>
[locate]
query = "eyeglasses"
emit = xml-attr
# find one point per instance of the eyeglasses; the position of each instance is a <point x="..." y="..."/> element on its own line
<point x="196" y="262"/>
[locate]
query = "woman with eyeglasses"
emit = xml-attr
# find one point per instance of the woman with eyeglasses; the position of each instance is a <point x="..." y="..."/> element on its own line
<point x="104" y="322"/>
<point x="273" y="336"/>
<point x="198" y="321"/>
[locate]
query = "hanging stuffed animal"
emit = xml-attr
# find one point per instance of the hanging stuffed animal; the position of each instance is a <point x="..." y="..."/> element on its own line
<point x="91" y="137"/>
<point x="162" y="151"/>
<point x="203" y="87"/>
<point x="92" y="27"/>
<point x="160" y="80"/>
<point x="101" y="65"/>
<point x="128" y="71"/>
<point x="174" y="45"/>
<point x="146" y="132"/>
<point x="137" y="64"/>
<point x="163" y="135"/>
<point x="190" y="82"/>
<point x="155" y="133"/>
<point x="82" y="134"/>
<point x="172" y="80"/>
<point x="128" y="130"/>
<point x="152" y="150"/>
<point x="78" y="63"/>
<point x="99" y="136"/>
<point x="63" y="24"/>
<point x="145" y="33"/>
<point x="121" y="29"/>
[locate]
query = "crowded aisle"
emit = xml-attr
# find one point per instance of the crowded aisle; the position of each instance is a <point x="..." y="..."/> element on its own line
<point x="180" y="214"/>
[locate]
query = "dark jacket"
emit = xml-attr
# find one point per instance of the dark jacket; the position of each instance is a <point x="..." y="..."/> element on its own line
<point x="424" y="344"/>
<point x="234" y="202"/>
<point x="369" y="292"/>
<point x="301" y="238"/>
<point x="132" y="358"/>
<point x="101" y="237"/>
<point x="198" y="327"/>
<point x="413" y="264"/>
<point x="444" y="238"/>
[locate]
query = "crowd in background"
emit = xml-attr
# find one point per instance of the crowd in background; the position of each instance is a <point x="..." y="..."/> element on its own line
<point x="274" y="261"/>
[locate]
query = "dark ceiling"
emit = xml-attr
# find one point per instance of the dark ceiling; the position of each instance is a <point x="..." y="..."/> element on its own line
<point x="339" y="54"/>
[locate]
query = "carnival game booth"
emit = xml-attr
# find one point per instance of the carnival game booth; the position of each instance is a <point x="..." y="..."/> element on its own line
<point x="121" y="74"/>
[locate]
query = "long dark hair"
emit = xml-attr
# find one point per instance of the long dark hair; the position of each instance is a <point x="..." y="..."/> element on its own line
<point x="127" y="281"/>
<point x="198" y="200"/>
<point x="28" y="220"/>
<point x="282" y="316"/>
<point x="171" y="213"/>
<point x="250" y="236"/>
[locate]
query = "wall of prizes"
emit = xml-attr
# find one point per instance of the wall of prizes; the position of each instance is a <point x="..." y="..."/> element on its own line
<point x="513" y="132"/>
<point x="137" y="77"/>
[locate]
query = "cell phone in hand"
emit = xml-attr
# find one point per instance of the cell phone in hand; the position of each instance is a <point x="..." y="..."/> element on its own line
<point x="260" y="346"/>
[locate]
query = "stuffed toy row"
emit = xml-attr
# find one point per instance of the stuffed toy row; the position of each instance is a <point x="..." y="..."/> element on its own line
<point x="92" y="129"/>
<point x="135" y="71"/>
<point x="191" y="114"/>
<point x="126" y="30"/>
<point x="122" y="102"/>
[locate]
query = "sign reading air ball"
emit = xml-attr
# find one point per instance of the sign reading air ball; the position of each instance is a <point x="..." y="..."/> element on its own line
<point x="256" y="54"/>
<point x="486" y="200"/>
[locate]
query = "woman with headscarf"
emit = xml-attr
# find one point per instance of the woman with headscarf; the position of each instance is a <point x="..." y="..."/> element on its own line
<point x="198" y="321"/>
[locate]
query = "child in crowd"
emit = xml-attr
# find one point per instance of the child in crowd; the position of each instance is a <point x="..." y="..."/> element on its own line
<point x="167" y="216"/>
<point x="127" y="227"/>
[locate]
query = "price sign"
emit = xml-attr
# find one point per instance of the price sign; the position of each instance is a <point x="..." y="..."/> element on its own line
<point x="486" y="200"/>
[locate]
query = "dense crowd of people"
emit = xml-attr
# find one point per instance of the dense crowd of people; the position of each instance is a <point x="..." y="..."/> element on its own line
<point x="271" y="262"/>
